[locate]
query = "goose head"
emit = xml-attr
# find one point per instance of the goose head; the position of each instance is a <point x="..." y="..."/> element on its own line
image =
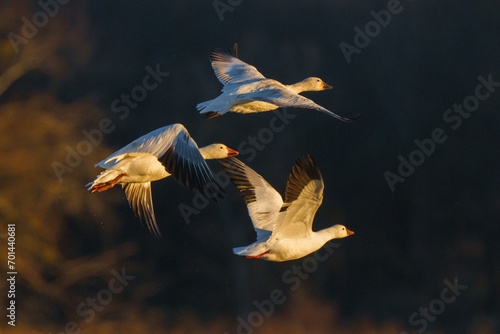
<point x="311" y="84"/>
<point x="316" y="84"/>
<point x="339" y="231"/>
<point x="217" y="151"/>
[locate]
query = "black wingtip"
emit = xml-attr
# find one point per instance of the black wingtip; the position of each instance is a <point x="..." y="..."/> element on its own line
<point x="157" y="234"/>
<point x="352" y="119"/>
<point x="307" y="157"/>
<point x="235" y="170"/>
<point x="229" y="51"/>
<point x="214" y="191"/>
<point x="303" y="172"/>
<point x="308" y="164"/>
<point x="150" y="222"/>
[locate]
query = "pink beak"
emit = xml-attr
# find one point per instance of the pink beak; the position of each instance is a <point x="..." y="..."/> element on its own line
<point x="326" y="86"/>
<point x="231" y="152"/>
<point x="349" y="232"/>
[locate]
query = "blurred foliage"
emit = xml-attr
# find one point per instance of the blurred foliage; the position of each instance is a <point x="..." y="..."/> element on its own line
<point x="57" y="224"/>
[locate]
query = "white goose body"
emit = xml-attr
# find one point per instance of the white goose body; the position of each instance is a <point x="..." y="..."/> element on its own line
<point x="291" y="249"/>
<point x="284" y="229"/>
<point x="159" y="154"/>
<point x="136" y="167"/>
<point x="236" y="95"/>
<point x="246" y="90"/>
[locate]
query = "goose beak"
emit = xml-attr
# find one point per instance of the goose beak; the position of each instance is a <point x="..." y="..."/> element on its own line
<point x="349" y="232"/>
<point x="326" y="86"/>
<point x="231" y="152"/>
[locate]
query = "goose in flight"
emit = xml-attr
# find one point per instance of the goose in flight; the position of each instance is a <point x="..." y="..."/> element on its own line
<point x="246" y="90"/>
<point x="166" y="151"/>
<point x="284" y="229"/>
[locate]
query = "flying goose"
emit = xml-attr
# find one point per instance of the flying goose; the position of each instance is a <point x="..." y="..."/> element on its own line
<point x="284" y="229"/>
<point x="246" y="90"/>
<point x="167" y="151"/>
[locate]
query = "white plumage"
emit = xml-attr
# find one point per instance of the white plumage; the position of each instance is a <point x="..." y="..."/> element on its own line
<point x="246" y="90"/>
<point x="161" y="153"/>
<point x="284" y="229"/>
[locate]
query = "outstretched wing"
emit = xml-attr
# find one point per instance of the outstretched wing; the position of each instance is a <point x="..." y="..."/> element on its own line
<point x="304" y="195"/>
<point x="178" y="152"/>
<point x="156" y="143"/>
<point x="140" y="200"/>
<point x="262" y="200"/>
<point x="288" y="98"/>
<point x="230" y="70"/>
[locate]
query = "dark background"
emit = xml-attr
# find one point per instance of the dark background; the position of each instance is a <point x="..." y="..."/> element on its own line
<point x="441" y="224"/>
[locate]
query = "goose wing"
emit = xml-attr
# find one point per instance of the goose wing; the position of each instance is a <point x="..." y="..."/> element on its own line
<point x="230" y="70"/>
<point x="304" y="195"/>
<point x="179" y="154"/>
<point x="262" y="200"/>
<point x="286" y="98"/>
<point x="140" y="200"/>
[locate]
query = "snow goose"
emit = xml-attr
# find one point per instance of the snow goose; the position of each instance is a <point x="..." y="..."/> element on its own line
<point x="163" y="152"/>
<point x="246" y="90"/>
<point x="284" y="229"/>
